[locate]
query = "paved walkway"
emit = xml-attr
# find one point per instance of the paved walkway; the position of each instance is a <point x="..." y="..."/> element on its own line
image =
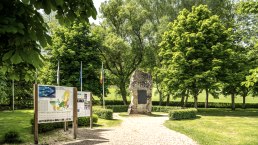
<point x="135" y="130"/>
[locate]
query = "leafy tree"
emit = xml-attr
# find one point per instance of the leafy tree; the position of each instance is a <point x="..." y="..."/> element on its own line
<point x="194" y="49"/>
<point x="23" y="30"/>
<point x="160" y="13"/>
<point x="73" y="44"/>
<point x="122" y="40"/>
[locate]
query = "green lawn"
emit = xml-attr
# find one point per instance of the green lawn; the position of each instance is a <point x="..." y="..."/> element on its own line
<point x="220" y="126"/>
<point x="19" y="120"/>
<point x="113" y="95"/>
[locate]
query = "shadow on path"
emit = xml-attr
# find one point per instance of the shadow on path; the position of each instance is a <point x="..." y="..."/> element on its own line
<point x="89" y="137"/>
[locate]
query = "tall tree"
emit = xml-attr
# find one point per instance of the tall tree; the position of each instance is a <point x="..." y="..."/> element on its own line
<point x="123" y="41"/>
<point x="161" y="12"/>
<point x="193" y="48"/>
<point x="73" y="44"/>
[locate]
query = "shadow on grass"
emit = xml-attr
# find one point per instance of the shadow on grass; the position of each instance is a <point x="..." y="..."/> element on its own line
<point x="223" y="112"/>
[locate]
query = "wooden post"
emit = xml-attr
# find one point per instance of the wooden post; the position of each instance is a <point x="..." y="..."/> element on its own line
<point x="36" y="135"/>
<point x="75" y="119"/>
<point x="91" y="119"/>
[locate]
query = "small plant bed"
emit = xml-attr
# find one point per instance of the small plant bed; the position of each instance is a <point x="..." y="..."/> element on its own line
<point x="220" y="126"/>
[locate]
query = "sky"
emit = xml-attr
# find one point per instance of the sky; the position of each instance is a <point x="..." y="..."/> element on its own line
<point x="97" y="6"/>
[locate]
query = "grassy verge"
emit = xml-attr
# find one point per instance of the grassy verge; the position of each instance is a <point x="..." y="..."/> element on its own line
<point x="19" y="120"/>
<point x="102" y="123"/>
<point x="220" y="126"/>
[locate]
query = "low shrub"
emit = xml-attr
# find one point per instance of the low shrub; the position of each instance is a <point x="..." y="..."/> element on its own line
<point x="12" y="137"/>
<point x="103" y="113"/>
<point x="124" y="108"/>
<point x="45" y="127"/>
<point x="163" y="108"/>
<point x="182" y="114"/>
<point x="85" y="121"/>
<point x="189" y="104"/>
<point x="118" y="108"/>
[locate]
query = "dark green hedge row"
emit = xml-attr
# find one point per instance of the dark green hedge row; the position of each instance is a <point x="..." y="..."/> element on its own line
<point x="190" y="104"/>
<point x="118" y="108"/>
<point x="163" y="108"/>
<point x="103" y="113"/>
<point x="124" y="108"/>
<point x="45" y="127"/>
<point x="182" y="114"/>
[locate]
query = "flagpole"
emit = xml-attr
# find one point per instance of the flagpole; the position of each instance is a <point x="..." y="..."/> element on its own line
<point x="36" y="76"/>
<point x="58" y="75"/>
<point x="103" y="81"/>
<point x="13" y="90"/>
<point x="81" y="76"/>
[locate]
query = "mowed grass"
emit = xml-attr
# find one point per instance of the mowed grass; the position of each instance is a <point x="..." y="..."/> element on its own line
<point x="19" y="120"/>
<point x="113" y="95"/>
<point x="220" y="126"/>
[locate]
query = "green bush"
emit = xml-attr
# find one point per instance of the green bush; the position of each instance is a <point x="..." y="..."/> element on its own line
<point x="182" y="114"/>
<point x="45" y="127"/>
<point x="118" y="108"/>
<point x="189" y="104"/>
<point x="124" y="108"/>
<point x="12" y="137"/>
<point x="85" y="121"/>
<point x="103" y="113"/>
<point x="163" y="108"/>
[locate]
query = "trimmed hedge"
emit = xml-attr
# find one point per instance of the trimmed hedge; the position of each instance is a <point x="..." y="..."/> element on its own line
<point x="163" y="108"/>
<point x="182" y="114"/>
<point x="124" y="108"/>
<point x="118" y="108"/>
<point x="103" y="113"/>
<point x="45" y="127"/>
<point x="189" y="104"/>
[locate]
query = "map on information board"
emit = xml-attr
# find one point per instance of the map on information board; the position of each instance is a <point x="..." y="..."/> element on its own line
<point x="55" y="104"/>
<point x="83" y="104"/>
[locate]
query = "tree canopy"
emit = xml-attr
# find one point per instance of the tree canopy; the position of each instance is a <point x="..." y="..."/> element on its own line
<point x="193" y="50"/>
<point x="23" y="31"/>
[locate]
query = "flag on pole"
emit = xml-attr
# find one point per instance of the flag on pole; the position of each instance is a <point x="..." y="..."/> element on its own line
<point x="58" y="74"/>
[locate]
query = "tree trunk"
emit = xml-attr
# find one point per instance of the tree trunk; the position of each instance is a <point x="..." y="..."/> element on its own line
<point x="160" y="98"/>
<point x="167" y="103"/>
<point x="207" y="98"/>
<point x="186" y="99"/>
<point x="243" y="105"/>
<point x="195" y="101"/>
<point x="183" y="99"/>
<point x="123" y="92"/>
<point x="233" y="101"/>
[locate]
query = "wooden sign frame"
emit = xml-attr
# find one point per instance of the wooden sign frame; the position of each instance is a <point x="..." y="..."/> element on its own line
<point x="75" y="118"/>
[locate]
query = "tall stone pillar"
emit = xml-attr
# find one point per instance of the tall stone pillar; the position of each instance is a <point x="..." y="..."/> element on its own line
<point x="141" y="93"/>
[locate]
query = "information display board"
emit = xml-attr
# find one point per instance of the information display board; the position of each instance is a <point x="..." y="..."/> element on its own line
<point x="55" y="104"/>
<point x="83" y="103"/>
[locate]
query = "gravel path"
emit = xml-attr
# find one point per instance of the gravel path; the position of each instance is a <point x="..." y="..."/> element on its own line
<point x="135" y="130"/>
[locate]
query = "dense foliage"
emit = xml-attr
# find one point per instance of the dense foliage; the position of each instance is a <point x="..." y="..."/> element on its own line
<point x="103" y="113"/>
<point x="182" y="114"/>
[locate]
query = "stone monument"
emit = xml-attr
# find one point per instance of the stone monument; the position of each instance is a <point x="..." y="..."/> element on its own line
<point x="141" y="91"/>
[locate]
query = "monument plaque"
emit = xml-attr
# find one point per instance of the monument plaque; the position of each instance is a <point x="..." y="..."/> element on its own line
<point x="141" y="90"/>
